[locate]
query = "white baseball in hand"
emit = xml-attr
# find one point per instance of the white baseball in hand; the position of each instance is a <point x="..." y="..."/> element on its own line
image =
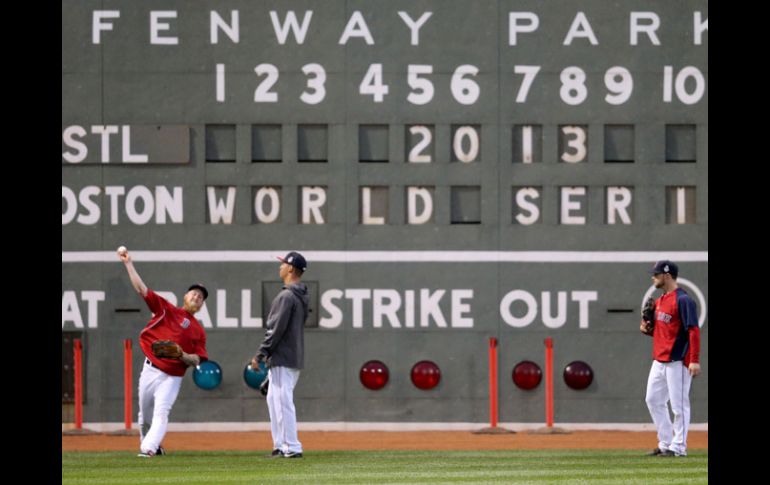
<point x="122" y="250"/>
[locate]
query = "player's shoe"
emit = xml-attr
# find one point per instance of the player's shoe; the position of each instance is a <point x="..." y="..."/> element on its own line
<point x="160" y="451"/>
<point x="293" y="454"/>
<point x="276" y="453"/>
<point x="148" y="454"/>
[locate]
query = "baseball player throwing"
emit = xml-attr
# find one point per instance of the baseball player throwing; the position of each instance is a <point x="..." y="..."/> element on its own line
<point x="161" y="378"/>
<point x="676" y="360"/>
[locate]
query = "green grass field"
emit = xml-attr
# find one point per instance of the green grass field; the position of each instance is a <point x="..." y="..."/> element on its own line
<point x="338" y="467"/>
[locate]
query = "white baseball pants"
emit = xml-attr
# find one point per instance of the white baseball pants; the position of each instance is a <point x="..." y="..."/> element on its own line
<point x="157" y="394"/>
<point x="280" y="404"/>
<point x="670" y="382"/>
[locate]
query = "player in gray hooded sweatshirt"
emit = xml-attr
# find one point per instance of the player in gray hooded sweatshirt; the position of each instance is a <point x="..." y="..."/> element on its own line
<point x="283" y="350"/>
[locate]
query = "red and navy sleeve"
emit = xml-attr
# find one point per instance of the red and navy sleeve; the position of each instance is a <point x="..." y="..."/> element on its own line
<point x="688" y="315"/>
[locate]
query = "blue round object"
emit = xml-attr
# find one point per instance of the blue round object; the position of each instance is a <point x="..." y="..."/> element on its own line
<point x="254" y="377"/>
<point x="207" y="375"/>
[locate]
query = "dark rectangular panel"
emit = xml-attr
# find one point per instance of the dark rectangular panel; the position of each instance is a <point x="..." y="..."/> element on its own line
<point x="220" y="143"/>
<point x="619" y="143"/>
<point x="680" y="143"/>
<point x="68" y="366"/>
<point x="266" y="143"/>
<point x="373" y="143"/>
<point x="466" y="205"/>
<point x="312" y="143"/>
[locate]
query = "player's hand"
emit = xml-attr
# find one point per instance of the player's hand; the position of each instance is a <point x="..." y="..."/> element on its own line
<point x="254" y="363"/>
<point x="124" y="256"/>
<point x="694" y="369"/>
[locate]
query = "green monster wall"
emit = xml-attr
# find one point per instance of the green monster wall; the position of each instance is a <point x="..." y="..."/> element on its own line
<point x="452" y="170"/>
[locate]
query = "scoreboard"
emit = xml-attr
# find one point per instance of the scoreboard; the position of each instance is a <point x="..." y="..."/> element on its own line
<point x="452" y="170"/>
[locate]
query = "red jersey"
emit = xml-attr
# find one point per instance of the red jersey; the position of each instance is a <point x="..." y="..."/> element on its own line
<point x="676" y="335"/>
<point x="171" y="323"/>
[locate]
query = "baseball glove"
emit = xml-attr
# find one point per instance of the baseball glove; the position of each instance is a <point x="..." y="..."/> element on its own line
<point x="167" y="349"/>
<point x="648" y="315"/>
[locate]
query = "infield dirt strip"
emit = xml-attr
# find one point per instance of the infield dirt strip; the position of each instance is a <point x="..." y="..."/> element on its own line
<point x="384" y="440"/>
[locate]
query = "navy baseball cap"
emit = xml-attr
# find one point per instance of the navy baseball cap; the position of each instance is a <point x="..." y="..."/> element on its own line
<point x="295" y="259"/>
<point x="198" y="286"/>
<point x="665" y="266"/>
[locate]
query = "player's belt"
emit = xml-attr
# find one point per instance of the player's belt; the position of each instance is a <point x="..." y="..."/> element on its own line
<point x="148" y="361"/>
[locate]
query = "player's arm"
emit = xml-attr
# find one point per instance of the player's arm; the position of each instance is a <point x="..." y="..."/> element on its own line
<point x="693" y="334"/>
<point x="647" y="324"/>
<point x="136" y="281"/>
<point x="200" y="354"/>
<point x="190" y="359"/>
<point x="688" y="313"/>
<point x="277" y="322"/>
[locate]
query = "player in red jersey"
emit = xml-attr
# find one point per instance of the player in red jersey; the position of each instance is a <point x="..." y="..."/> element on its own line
<point x="676" y="360"/>
<point x="161" y="378"/>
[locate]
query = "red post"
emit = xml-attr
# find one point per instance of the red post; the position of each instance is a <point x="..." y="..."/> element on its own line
<point x="492" y="382"/>
<point x="78" y="383"/>
<point x="549" y="382"/>
<point x="127" y="379"/>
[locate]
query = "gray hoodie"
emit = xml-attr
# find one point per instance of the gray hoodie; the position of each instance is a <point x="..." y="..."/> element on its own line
<point x="284" y="343"/>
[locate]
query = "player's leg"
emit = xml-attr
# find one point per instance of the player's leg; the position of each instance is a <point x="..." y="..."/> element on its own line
<point x="657" y="399"/>
<point x="289" y="411"/>
<point x="166" y="393"/>
<point x="679" y="380"/>
<point x="274" y="408"/>
<point x="146" y="397"/>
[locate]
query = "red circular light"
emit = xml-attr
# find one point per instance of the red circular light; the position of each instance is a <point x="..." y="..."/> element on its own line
<point x="578" y="375"/>
<point x="374" y="375"/>
<point x="527" y="375"/>
<point x="426" y="375"/>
